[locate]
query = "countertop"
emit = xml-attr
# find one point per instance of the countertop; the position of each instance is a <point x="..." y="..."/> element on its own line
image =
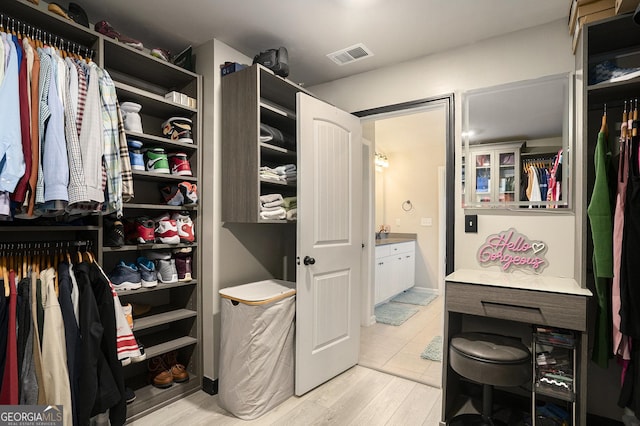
<point x="518" y="280"/>
<point x="395" y="238"/>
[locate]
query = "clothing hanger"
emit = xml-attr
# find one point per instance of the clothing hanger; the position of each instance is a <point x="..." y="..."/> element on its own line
<point x="603" y="126"/>
<point x="5" y="276"/>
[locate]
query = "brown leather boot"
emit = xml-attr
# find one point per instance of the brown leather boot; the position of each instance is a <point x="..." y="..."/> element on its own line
<point x="159" y="374"/>
<point x="179" y="372"/>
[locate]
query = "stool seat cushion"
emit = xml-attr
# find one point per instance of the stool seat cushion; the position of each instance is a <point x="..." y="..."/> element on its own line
<point x="490" y="359"/>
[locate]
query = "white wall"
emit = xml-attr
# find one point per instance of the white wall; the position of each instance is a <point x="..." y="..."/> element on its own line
<point x="527" y="54"/>
<point x="415" y="146"/>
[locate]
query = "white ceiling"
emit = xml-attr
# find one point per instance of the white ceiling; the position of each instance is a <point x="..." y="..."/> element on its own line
<point x="395" y="30"/>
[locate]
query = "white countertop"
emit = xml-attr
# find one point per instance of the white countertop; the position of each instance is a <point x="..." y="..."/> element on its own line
<point x="518" y="281"/>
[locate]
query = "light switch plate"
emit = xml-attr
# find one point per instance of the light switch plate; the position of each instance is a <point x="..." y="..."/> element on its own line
<point x="471" y="223"/>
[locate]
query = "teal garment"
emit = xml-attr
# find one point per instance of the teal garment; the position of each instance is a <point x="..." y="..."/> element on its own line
<point x="601" y="220"/>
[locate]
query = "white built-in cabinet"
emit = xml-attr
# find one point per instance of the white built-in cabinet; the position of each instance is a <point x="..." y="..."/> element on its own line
<point x="395" y="269"/>
<point x="494" y="172"/>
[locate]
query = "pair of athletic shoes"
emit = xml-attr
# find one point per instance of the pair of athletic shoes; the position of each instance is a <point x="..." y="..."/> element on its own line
<point x="174" y="229"/>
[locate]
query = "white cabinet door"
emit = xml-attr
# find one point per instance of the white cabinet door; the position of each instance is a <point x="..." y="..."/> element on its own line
<point x="383" y="278"/>
<point x="329" y="242"/>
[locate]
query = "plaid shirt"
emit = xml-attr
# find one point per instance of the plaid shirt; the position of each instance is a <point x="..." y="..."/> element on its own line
<point x="125" y="161"/>
<point x="111" y="153"/>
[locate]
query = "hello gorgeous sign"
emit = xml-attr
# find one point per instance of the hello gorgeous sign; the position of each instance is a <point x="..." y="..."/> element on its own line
<point x="510" y="249"/>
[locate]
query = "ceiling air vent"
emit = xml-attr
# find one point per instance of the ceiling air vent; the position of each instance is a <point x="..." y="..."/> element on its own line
<point x="350" y="54"/>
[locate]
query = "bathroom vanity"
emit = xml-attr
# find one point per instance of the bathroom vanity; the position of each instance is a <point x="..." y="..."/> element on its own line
<point x="395" y="265"/>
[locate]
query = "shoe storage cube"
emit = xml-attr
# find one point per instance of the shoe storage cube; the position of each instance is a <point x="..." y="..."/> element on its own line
<point x="256" y="347"/>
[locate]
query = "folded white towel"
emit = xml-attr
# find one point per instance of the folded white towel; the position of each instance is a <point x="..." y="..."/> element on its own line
<point x="285" y="168"/>
<point x="279" y="213"/>
<point x="276" y="203"/>
<point x="267" y="198"/>
<point x="270" y="209"/>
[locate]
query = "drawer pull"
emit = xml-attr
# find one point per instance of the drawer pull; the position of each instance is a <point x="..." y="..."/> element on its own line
<point x="518" y="313"/>
<point x="509" y="306"/>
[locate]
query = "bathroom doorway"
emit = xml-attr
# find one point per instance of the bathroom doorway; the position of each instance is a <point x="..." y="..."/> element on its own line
<point x="413" y="198"/>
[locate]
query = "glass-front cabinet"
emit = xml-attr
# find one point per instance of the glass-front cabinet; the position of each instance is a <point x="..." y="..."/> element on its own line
<point x="494" y="170"/>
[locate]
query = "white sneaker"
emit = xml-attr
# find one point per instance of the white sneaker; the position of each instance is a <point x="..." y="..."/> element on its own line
<point x="167" y="230"/>
<point x="186" y="231"/>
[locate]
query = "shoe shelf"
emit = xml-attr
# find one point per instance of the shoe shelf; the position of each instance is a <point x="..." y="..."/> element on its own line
<point x="153" y="104"/>
<point x="162" y="141"/>
<point x="150" y="321"/>
<point x="276" y="183"/>
<point x="135" y="247"/>
<point x="144" y="67"/>
<point x="139" y="206"/>
<point x="40" y="17"/>
<point x="150" y="395"/>
<point x="168" y="345"/>
<point x="162" y="176"/>
<point x="277" y="151"/>
<point x="159" y="287"/>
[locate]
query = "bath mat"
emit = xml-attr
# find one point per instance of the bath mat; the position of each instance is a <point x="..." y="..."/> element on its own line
<point x="394" y="313"/>
<point x="414" y="297"/>
<point x="433" y="351"/>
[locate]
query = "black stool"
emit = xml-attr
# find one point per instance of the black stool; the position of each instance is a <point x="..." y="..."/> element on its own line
<point x="491" y="360"/>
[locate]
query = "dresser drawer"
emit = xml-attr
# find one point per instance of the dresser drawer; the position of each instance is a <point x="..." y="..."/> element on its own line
<point x="534" y="307"/>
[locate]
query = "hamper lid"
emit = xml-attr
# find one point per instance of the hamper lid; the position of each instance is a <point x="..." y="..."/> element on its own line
<point x="259" y="293"/>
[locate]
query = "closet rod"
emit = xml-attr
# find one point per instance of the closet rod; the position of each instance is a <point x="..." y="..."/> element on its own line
<point x="10" y="24"/>
<point x="44" y="245"/>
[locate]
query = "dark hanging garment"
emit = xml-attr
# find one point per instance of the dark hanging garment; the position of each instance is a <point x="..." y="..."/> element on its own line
<point x="9" y="391"/>
<point x="24" y="325"/>
<point x="4" y="327"/>
<point x="72" y="335"/>
<point x="630" y="267"/>
<point x="104" y="299"/>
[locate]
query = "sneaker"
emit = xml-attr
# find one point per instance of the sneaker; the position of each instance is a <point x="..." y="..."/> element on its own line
<point x="180" y="164"/>
<point x="157" y="161"/>
<point x="131" y="116"/>
<point x="160" y="53"/>
<point x="156" y="254"/>
<point x="178" y="129"/>
<point x="128" y="314"/>
<point x="167" y="230"/>
<point x="172" y="195"/>
<point x="147" y="272"/>
<point x="59" y="10"/>
<point x="125" y="277"/>
<point x="183" y="264"/>
<point x="189" y="193"/>
<point x="140" y="308"/>
<point x="608" y="72"/>
<point x="129" y="395"/>
<point x="114" y="233"/>
<point x="135" y="154"/>
<point x="104" y="28"/>
<point x="185" y="227"/>
<point x="140" y="230"/>
<point x="142" y="355"/>
<point x="167" y="272"/>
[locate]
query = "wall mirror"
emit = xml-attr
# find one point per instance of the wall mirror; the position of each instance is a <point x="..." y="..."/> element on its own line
<point x="517" y="145"/>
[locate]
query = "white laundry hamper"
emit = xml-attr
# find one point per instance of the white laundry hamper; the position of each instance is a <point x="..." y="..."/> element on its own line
<point x="256" y="370"/>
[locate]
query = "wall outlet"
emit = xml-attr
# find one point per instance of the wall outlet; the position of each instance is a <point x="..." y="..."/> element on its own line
<point x="426" y="221"/>
<point x="398" y="221"/>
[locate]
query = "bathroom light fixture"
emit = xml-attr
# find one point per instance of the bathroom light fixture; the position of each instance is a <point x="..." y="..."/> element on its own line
<point x="381" y="160"/>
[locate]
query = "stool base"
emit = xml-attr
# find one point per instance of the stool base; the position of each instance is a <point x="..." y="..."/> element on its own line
<point x="474" y="420"/>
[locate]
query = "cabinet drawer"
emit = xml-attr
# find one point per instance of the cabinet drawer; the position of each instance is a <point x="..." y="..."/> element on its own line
<point x="535" y="307"/>
<point x="382" y="251"/>
<point x="402" y="247"/>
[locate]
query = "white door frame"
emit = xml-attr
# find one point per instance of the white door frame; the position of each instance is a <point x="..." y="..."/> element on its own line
<point x="446" y="257"/>
<point x="368" y="236"/>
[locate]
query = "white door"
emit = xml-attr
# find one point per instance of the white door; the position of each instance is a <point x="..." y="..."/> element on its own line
<point x="329" y="242"/>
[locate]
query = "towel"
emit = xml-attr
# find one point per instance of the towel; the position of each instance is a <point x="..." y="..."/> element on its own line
<point x="292" y="214"/>
<point x="284" y="169"/>
<point x="267" y="198"/>
<point x="270" y="209"/>
<point x="280" y="213"/>
<point x="290" y="202"/>
<point x="276" y="203"/>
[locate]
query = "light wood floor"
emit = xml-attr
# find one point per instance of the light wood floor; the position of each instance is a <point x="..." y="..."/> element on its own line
<point x="359" y="396"/>
<point x="396" y="349"/>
